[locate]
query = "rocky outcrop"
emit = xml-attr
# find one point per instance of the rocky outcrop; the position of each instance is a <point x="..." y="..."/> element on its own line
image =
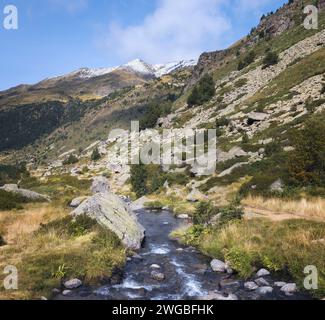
<point x="114" y="214"/>
<point x="75" y="203"/>
<point x="27" y="194"/>
<point x="100" y="185"/>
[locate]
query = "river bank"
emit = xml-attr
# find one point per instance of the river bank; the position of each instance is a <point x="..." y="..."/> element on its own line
<point x="166" y="270"/>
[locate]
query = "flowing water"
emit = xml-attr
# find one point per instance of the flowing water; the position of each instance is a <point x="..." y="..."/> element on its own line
<point x="187" y="272"/>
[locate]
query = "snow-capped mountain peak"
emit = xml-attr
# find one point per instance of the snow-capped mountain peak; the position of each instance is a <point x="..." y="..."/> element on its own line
<point x="136" y="66"/>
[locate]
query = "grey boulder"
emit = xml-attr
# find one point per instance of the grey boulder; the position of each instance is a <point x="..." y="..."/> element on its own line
<point x="114" y="214"/>
<point x="27" y="194"/>
<point x="100" y="185"/>
<point x="73" y="284"/>
<point x="218" y="266"/>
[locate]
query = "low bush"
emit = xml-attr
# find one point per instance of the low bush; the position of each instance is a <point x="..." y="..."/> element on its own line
<point x="10" y="201"/>
<point x="270" y="59"/>
<point x="72" y="159"/>
<point x="248" y="59"/>
<point x="202" y="92"/>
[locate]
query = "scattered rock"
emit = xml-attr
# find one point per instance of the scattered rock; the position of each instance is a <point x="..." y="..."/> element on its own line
<point x="277" y="186"/>
<point x="179" y="249"/>
<point x="279" y="284"/>
<point x="114" y="214"/>
<point x="55" y="291"/>
<point x="155" y="266"/>
<point x="261" y="282"/>
<point x="264" y="290"/>
<point x="256" y="117"/>
<point x="196" y="196"/>
<point x="139" y="204"/>
<point x="73" y="284"/>
<point x="100" y="185"/>
<point x="137" y="257"/>
<point x="262" y="273"/>
<point x="218" y="266"/>
<point x="158" y="276"/>
<point x="67" y="293"/>
<point x="218" y="296"/>
<point x="250" y="285"/>
<point x="75" y="203"/>
<point x="27" y="194"/>
<point x="183" y="216"/>
<point x="289" y="288"/>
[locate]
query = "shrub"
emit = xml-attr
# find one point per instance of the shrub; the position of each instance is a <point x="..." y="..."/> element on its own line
<point x="72" y="159"/>
<point x="95" y="156"/>
<point x="204" y="212"/>
<point x="222" y="122"/>
<point x="10" y="201"/>
<point x="245" y="138"/>
<point x="273" y="148"/>
<point x="139" y="179"/>
<point x="202" y="92"/>
<point x="270" y="59"/>
<point x="307" y="162"/>
<point x="323" y="89"/>
<point x="155" y="110"/>
<point x="248" y="59"/>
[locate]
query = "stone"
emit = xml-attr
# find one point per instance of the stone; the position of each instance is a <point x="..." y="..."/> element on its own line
<point x="289" y="288"/>
<point x="44" y="298"/>
<point x="250" y="285"/>
<point x="279" y="284"/>
<point x="196" y="196"/>
<point x="114" y="214"/>
<point x="277" y="186"/>
<point x="67" y="293"/>
<point x="137" y="257"/>
<point x="75" y="203"/>
<point x="100" y="185"/>
<point x="155" y="266"/>
<point x="218" y="266"/>
<point x="183" y="216"/>
<point x="139" y="203"/>
<point x="262" y="273"/>
<point x="261" y="282"/>
<point x="179" y="249"/>
<point x="230" y="170"/>
<point x="158" y="276"/>
<point x="264" y="290"/>
<point x="27" y="194"/>
<point x="256" y="117"/>
<point x="73" y="284"/>
<point x="218" y="296"/>
<point x="55" y="291"/>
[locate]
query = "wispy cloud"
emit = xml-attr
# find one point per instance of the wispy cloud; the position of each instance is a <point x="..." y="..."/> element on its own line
<point x="177" y="29"/>
<point x="70" y="6"/>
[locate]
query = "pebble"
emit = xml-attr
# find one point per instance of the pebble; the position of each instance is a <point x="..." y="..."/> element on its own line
<point x="67" y="293"/>
<point x="154" y="266"/>
<point x="289" y="288"/>
<point x="158" y="276"/>
<point x="218" y="266"/>
<point x="280" y="284"/>
<point x="73" y="284"/>
<point x="251" y="285"/>
<point x="262" y="273"/>
<point x="264" y="290"/>
<point x="262" y="282"/>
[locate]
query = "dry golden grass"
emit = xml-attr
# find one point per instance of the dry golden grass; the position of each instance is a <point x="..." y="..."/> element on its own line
<point x="16" y="225"/>
<point x="313" y="208"/>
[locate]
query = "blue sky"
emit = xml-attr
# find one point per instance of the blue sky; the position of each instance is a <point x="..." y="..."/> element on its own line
<point x="58" y="36"/>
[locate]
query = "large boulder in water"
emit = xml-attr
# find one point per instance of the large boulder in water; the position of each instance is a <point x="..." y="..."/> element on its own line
<point x="27" y="194"/>
<point x="114" y="214"/>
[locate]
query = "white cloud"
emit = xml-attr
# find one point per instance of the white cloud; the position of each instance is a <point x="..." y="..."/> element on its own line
<point x="177" y="29"/>
<point x="70" y="6"/>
